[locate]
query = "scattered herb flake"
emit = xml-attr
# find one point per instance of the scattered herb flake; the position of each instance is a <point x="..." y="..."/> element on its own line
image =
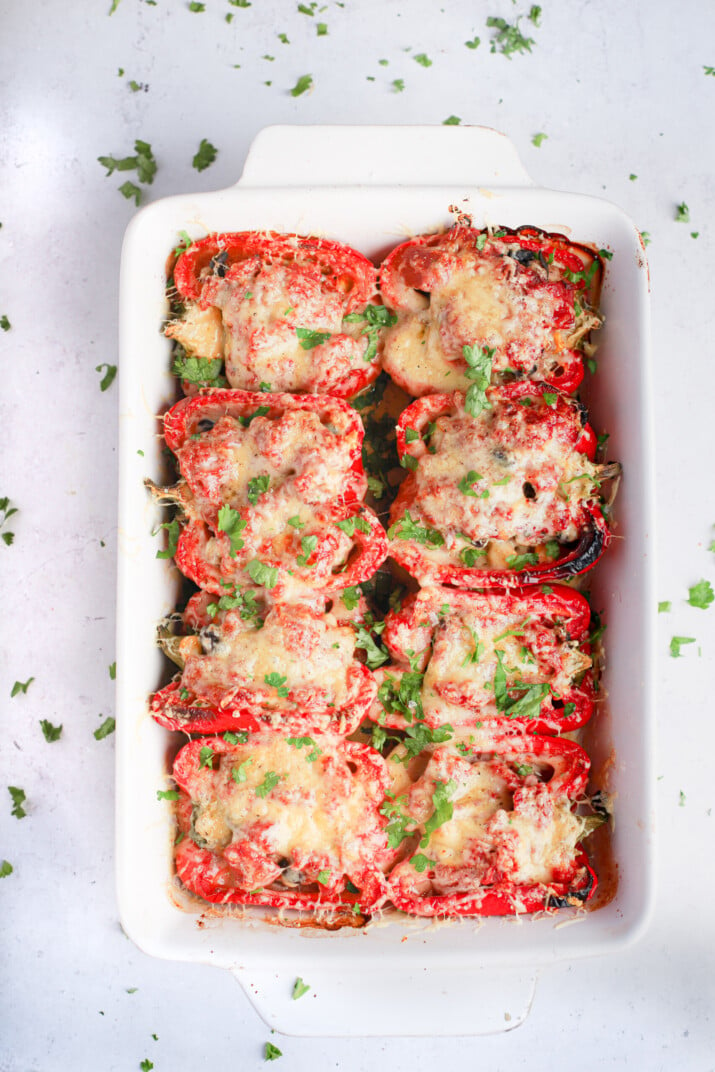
<point x="146" y="1065"/>
<point x="18" y="799"/>
<point x="205" y="155"/>
<point x="260" y="573"/>
<point x="682" y="213"/>
<point x="5" y="323"/>
<point x="283" y="38"/>
<point x="130" y="190"/>
<point x="539" y="139"/>
<point x="423" y="59"/>
<point x="51" y="733"/>
<point x="321" y="29"/>
<point x="304" y="83"/>
<point x="107" y="728"/>
<point x="167" y="794"/>
<point x="6" y="869"/>
<point x="231" y="522"/>
<point x="174" y="531"/>
<point x="474" y="43"/>
<point x="681" y="799"/>
<point x="196" y="7"/>
<point x="709" y="71"/>
<point x="479" y="370"/>
<point x="270" y="781"/>
<point x="310" y="339"/>
<point x="701" y="595"/>
<point x="108" y="377"/>
<point x="508" y="39"/>
<point x="21" y="687"/>
<point x="271" y="1052"/>
<point x="664" y="606"/>
<point x="398" y="84"/>
<point x="677" y="643"/>
<point x="299" y="988"/>
<point x="451" y="121"/>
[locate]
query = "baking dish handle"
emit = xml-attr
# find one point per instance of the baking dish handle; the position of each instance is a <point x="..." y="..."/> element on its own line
<point x="432" y="1001"/>
<point x="382" y="156"/>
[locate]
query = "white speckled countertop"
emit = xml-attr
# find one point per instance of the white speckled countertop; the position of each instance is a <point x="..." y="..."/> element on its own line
<point x="622" y="93"/>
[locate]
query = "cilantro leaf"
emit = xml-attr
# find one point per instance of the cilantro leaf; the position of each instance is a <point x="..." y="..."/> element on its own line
<point x="21" y="687"/>
<point x="257" y="486"/>
<point x="5" y="323"/>
<point x="299" y="988"/>
<point x="443" y="808"/>
<point x="130" y="190"/>
<point x="269" y="783"/>
<point x="398" y="84"/>
<point x="18" y="799"/>
<point x="664" y="606"/>
<point x="410" y="530"/>
<point x="271" y="1052"/>
<point x="519" y="562"/>
<point x="677" y="643"/>
<point x="423" y="59"/>
<point x="321" y="29"/>
<point x="51" y="733"/>
<point x="205" y="155"/>
<point x="350" y="597"/>
<point x="376" y="655"/>
<point x="6" y="869"/>
<point x="107" y="728"/>
<point x="451" y="121"/>
<point x="304" y="83"/>
<point x="310" y="339"/>
<point x="260" y="573"/>
<point x="465" y="485"/>
<point x="350" y="524"/>
<point x="701" y="595"/>
<point x="174" y="531"/>
<point x="682" y="213"/>
<point x="6" y="512"/>
<point x="200" y="371"/>
<point x="206" y="756"/>
<point x="231" y="522"/>
<point x="108" y="378"/>
<point x="308" y="545"/>
<point x="278" y="682"/>
<point x="474" y="43"/>
<point x="240" y="773"/>
<point x="420" y="862"/>
<point x="167" y="794"/>
<point x="539" y="139"/>
<point x="479" y="370"/>
<point x="508" y="39"/>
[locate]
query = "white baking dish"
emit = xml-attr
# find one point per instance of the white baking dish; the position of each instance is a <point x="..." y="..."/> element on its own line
<point x="371" y="187"/>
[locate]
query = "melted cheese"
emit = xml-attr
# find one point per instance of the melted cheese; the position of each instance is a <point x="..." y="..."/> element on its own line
<point x="485" y="301"/>
<point x="312" y="656"/>
<point x="317" y="809"/>
<point x="251" y="322"/>
<point x="512" y="453"/>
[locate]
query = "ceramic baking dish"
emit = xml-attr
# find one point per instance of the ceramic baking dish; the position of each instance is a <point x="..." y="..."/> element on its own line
<point x="371" y="187"/>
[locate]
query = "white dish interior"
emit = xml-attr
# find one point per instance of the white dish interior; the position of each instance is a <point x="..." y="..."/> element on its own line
<point x="421" y="960"/>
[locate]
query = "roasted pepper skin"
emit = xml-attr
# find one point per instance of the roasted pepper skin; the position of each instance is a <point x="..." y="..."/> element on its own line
<point x="595" y="535"/>
<point x="575" y="887"/>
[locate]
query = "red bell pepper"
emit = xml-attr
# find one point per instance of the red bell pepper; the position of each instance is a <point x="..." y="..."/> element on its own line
<point x="514" y="661"/>
<point x="338" y="561"/>
<point x="525" y="298"/>
<point x="518" y="517"/>
<point x="285" y="822"/>
<point x="490" y="830"/>
<point x="293" y="311"/>
<point x="251" y="666"/>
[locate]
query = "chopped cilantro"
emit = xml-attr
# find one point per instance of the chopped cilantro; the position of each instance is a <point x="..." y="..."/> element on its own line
<point x="240" y="773"/>
<point x="231" y="522"/>
<point x="420" y="862"/>
<point x="278" y="682"/>
<point x="167" y="794"/>
<point x="645" y="238"/>
<point x="443" y="809"/>
<point x="269" y="783"/>
<point x="310" y="339"/>
<point x="146" y="1065"/>
<point x="21" y="687"/>
<point x="108" y="378"/>
<point x="539" y="139"/>
<point x="18" y="799"/>
<point x="465" y="485"/>
<point x="321" y="29"/>
<point x="709" y="71"/>
<point x="174" y="531"/>
<point x="299" y="988"/>
<point x="200" y="371"/>
<point x="271" y="1052"/>
<point x="398" y="84"/>
<point x="677" y="643"/>
<point x="519" y="562"/>
<point x="204" y="156"/>
<point x="535" y="14"/>
<point x="5" y="323"/>
<point x="6" y="869"/>
<point x="681" y="799"/>
<point x="350" y="597"/>
<point x="377" y="316"/>
<point x="267" y="576"/>
<point x="206" y="756"/>
<point x="296" y="522"/>
<point x="195" y="6"/>
<point x="410" y="530"/>
<point x="479" y="370"/>
<point x="6" y="512"/>
<point x="375" y="654"/>
<point x="701" y="595"/>
<point x="112" y="671"/>
<point x="235" y="738"/>
<point x="451" y="121"/>
<point x="130" y="190"/>
<point x="257" y="486"/>
<point x="350" y="524"/>
<point x="51" y="733"/>
<point x="262" y="411"/>
<point x="682" y="213"/>
<point x="423" y="59"/>
<point x="508" y="39"/>
<point x="474" y="43"/>
<point x="632" y="177"/>
<point x="308" y="545"/>
<point x="664" y="606"/>
<point x="304" y="83"/>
